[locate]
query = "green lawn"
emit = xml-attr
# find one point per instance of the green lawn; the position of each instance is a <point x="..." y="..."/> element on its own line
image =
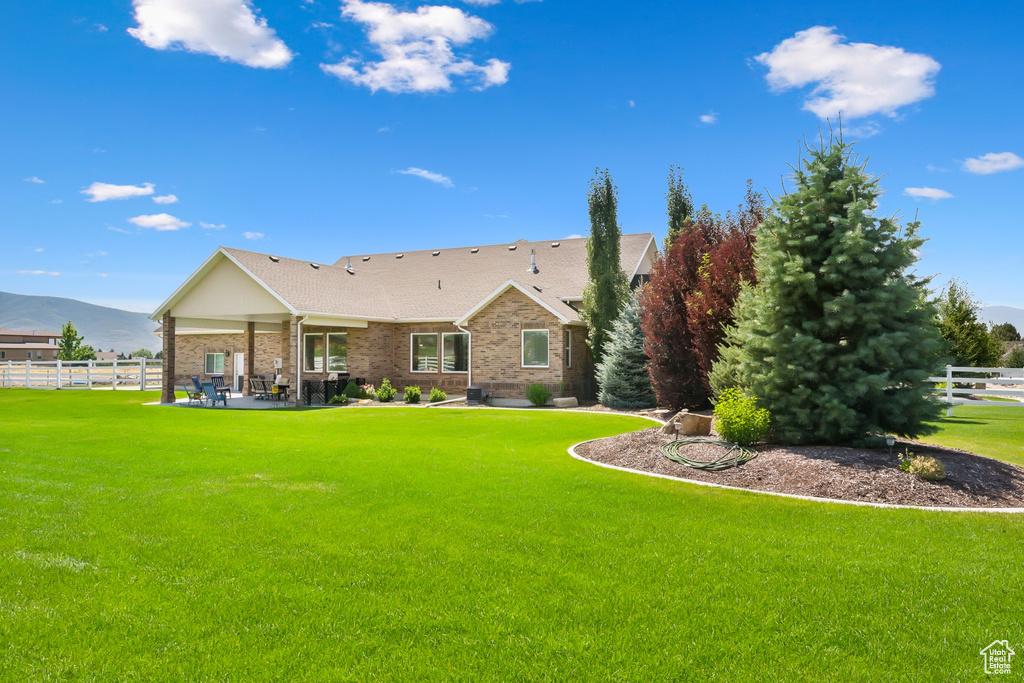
<point x="993" y="431"/>
<point x="145" y="543"/>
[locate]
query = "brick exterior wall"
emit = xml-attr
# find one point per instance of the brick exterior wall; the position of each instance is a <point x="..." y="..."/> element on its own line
<point x="191" y="349"/>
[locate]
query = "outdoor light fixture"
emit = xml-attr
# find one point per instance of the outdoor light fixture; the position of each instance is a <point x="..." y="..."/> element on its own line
<point x="889" y="441"/>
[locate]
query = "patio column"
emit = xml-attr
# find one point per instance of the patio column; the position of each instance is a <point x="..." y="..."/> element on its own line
<point x="167" y="370"/>
<point x="290" y="356"/>
<point x="250" y="357"/>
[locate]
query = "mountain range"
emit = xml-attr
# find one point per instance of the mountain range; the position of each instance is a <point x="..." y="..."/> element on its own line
<point x="103" y="328"/>
<point x="1003" y="314"/>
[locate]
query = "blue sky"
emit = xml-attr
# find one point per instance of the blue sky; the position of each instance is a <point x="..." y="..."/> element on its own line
<point x="138" y="136"/>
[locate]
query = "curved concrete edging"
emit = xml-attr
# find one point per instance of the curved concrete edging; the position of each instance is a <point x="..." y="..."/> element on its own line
<point x="861" y="503"/>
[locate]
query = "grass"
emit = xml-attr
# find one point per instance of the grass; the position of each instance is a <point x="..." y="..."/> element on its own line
<point x="990" y="430"/>
<point x="145" y="543"/>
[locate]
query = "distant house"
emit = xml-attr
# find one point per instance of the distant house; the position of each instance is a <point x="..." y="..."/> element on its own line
<point x="22" y="345"/>
<point x="499" y="316"/>
<point x="106" y="355"/>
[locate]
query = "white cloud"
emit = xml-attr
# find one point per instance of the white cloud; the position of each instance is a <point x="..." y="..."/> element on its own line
<point x="38" y="272"/>
<point x="709" y="119"/>
<point x="321" y="24"/>
<point x="428" y="175"/>
<point x="161" y="222"/>
<point x="228" y="29"/>
<point x="100" y="274"/>
<point x="166" y="199"/>
<point x="39" y="249"/>
<point x="855" y="79"/>
<point x="993" y="163"/>
<point x="932" y="168"/>
<point x="211" y="226"/>
<point x="482" y="3"/>
<point x="252" y="235"/>
<point x="101" y="192"/>
<point x="120" y="230"/>
<point x="35" y="179"/>
<point x="573" y="236"/>
<point x="931" y="193"/>
<point x="100" y="28"/>
<point x="416" y="48"/>
<point x="56" y="201"/>
<point x="631" y="103"/>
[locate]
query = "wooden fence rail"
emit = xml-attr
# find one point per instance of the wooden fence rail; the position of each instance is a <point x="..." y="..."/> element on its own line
<point x="140" y="373"/>
<point x="1007" y="376"/>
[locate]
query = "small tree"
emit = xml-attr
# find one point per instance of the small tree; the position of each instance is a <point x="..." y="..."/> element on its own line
<point x="142" y="353"/>
<point x="622" y="375"/>
<point x="1005" y="333"/>
<point x="967" y="339"/>
<point x="608" y="287"/>
<point x="1014" y="359"/>
<point x="837" y="338"/>
<point x="70" y="343"/>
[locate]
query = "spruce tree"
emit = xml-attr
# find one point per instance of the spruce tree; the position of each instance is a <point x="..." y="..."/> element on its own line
<point x="967" y="339"/>
<point x="622" y="375"/>
<point x="837" y="337"/>
<point x="608" y="287"/>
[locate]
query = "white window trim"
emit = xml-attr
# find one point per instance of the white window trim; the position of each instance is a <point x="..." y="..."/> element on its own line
<point x="522" y="347"/>
<point x="206" y="364"/>
<point x="327" y="351"/>
<point x="424" y="372"/>
<point x="306" y="336"/>
<point x="441" y="359"/>
<point x="568" y="347"/>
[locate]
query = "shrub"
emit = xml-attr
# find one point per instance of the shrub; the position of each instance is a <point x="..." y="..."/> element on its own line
<point x="538" y="394"/>
<point x="412" y="394"/>
<point x="386" y="393"/>
<point x="437" y="395"/>
<point x="1015" y="359"/>
<point x="338" y="399"/>
<point x="367" y="391"/>
<point x="351" y="389"/>
<point x="738" y="419"/>
<point x="928" y="468"/>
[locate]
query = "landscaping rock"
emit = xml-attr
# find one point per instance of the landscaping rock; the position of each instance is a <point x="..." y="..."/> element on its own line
<point x="689" y="424"/>
<point x="569" y="402"/>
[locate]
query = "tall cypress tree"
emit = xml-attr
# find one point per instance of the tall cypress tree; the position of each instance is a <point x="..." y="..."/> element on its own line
<point x="838" y="336"/>
<point x="680" y="204"/>
<point x="608" y="287"/>
<point x="622" y="375"/>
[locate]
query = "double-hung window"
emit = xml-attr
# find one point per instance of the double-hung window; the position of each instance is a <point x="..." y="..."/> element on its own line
<point x="455" y="352"/>
<point x="423" y="352"/>
<point x="535" y="348"/>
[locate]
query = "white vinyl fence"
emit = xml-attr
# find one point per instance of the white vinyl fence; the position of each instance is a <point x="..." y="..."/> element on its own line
<point x="138" y="373"/>
<point x="956" y="376"/>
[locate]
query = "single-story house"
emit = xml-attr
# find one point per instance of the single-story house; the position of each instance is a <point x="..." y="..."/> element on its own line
<point x="500" y="316"/>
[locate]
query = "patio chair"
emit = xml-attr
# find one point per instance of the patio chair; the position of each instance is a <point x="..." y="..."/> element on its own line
<point x="194" y="397"/>
<point x="259" y="388"/>
<point x="218" y="384"/>
<point x="211" y="394"/>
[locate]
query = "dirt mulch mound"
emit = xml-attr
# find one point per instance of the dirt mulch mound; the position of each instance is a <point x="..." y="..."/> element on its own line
<point x="868" y="475"/>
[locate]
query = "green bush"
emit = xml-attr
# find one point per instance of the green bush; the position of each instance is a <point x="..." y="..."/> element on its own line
<point x="367" y="391"/>
<point x="412" y="394"/>
<point x="437" y="395"/>
<point x="928" y="468"/>
<point x="351" y="389"/>
<point x="1015" y="359"/>
<point x="738" y="419"/>
<point x="538" y="394"/>
<point x="338" y="399"/>
<point x="386" y="393"/>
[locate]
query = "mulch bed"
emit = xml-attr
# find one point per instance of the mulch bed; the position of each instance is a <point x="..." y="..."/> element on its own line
<point x="859" y="474"/>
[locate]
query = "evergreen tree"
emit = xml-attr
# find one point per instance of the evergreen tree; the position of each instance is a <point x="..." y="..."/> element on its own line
<point x="608" y="287"/>
<point x="837" y="337"/>
<point x="70" y="344"/>
<point x="622" y="376"/>
<point x="1014" y="359"/>
<point x="967" y="338"/>
<point x="680" y="204"/>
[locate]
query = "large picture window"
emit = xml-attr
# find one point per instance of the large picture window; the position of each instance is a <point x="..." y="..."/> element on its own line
<point x="337" y="352"/>
<point x="535" y="348"/>
<point x="423" y="353"/>
<point x="455" y="352"/>
<point x="313" y="352"/>
<point x="215" y="364"/>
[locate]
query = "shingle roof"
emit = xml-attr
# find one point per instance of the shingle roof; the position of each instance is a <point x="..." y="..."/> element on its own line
<point x="440" y="284"/>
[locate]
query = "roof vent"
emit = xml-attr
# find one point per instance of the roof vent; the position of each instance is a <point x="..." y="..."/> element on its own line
<point x="555" y="245"/>
<point x="533" y="262"/>
<point x="399" y="255"/>
<point x="434" y="253"/>
<point x="314" y="266"/>
<point x="365" y="259"/>
<point x="348" y="263"/>
<point x="511" y="247"/>
<point x="275" y="259"/>
<point x="350" y="271"/>
<point x="538" y="288"/>
<point x="474" y="250"/>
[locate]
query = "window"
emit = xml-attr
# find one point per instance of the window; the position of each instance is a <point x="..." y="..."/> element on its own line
<point x="3" y="354"/>
<point x="313" y="352"/>
<point x="455" y="352"/>
<point x="423" y="353"/>
<point x="30" y="355"/>
<point x="535" y="348"/>
<point x="215" y="364"/>
<point x="568" y="348"/>
<point x="337" y="352"/>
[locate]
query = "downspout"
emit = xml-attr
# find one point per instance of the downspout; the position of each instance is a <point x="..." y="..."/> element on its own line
<point x="469" y="361"/>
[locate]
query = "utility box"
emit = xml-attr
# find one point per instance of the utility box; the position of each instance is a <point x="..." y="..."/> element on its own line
<point x="474" y="396"/>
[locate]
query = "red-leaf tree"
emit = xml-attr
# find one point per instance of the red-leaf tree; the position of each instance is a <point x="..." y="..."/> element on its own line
<point x="688" y="302"/>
